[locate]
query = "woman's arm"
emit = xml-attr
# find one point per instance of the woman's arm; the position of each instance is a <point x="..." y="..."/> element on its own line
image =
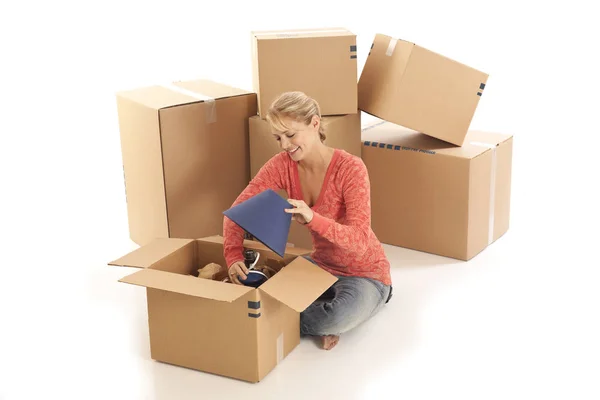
<point x="270" y="176"/>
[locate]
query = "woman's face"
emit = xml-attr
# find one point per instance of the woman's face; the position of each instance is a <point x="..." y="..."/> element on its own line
<point x="300" y="139"/>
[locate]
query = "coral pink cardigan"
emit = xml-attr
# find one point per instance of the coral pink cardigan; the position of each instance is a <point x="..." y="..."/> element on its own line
<point x="343" y="242"/>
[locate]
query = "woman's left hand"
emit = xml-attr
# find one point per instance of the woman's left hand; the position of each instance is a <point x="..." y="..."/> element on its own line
<point x="301" y="213"/>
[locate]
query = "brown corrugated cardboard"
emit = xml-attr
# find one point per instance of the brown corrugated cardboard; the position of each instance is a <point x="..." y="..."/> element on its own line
<point x="318" y="62"/>
<point x="219" y="327"/>
<point x="411" y="86"/>
<point x="431" y="196"/>
<point x="174" y="137"/>
<point x="342" y="131"/>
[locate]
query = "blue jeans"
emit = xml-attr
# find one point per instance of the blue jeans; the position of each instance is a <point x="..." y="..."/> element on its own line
<point x="345" y="305"/>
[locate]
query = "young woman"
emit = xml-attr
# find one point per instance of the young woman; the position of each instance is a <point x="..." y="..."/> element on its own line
<point x="330" y="191"/>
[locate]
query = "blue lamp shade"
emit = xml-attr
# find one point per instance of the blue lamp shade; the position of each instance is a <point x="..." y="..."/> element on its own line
<point x="263" y="217"/>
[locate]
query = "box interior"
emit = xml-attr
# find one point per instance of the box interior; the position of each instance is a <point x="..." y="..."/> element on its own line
<point x="188" y="259"/>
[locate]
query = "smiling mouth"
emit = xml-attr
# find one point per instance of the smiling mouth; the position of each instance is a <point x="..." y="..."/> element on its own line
<point x="293" y="151"/>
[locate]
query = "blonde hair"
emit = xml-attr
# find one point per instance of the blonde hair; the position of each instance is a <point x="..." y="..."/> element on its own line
<point x="297" y="106"/>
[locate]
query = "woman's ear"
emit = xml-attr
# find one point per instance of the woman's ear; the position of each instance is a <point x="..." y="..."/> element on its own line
<point x="315" y="121"/>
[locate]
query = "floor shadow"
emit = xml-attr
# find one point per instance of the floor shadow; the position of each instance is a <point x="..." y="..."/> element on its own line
<point x="401" y="257"/>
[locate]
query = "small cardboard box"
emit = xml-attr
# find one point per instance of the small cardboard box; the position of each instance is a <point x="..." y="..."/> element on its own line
<point x="217" y="327"/>
<point x="411" y="86"/>
<point x="320" y="63"/>
<point x="178" y="141"/>
<point x="431" y="196"/>
<point x="342" y="131"/>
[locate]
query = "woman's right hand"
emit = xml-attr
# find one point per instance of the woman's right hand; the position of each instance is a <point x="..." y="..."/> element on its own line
<point x="238" y="270"/>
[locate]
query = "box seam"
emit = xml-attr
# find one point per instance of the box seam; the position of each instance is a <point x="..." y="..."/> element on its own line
<point x="162" y="160"/>
<point x="258" y="345"/>
<point x="405" y="68"/>
<point x="469" y="185"/>
<point x="204" y="101"/>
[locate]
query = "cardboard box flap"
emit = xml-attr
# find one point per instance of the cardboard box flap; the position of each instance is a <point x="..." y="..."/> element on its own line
<point x="186" y="284"/>
<point x="298" y="284"/>
<point x="255" y="245"/>
<point x="297" y="251"/>
<point x="154" y="251"/>
<point x="386" y="135"/>
<point x="301" y="33"/>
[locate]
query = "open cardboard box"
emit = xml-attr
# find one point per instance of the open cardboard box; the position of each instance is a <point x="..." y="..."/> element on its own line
<point x="219" y="327"/>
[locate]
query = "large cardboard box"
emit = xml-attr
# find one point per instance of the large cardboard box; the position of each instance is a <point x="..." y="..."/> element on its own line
<point x="342" y="131"/>
<point x="217" y="327"/>
<point x="320" y="63"/>
<point x="431" y="196"/>
<point x="419" y="89"/>
<point x="185" y="156"/>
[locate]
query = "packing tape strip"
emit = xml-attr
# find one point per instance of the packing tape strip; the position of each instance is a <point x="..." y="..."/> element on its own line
<point x="280" y="348"/>
<point x="492" y="187"/>
<point x="391" y="47"/>
<point x="211" y="105"/>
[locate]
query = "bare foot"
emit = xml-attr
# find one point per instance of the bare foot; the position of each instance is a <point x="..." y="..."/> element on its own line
<point x="329" y="341"/>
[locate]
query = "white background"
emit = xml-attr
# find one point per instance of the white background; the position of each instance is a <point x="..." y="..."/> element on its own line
<point x="521" y="320"/>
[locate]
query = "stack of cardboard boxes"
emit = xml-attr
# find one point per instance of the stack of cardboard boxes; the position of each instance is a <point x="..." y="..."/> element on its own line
<point x="190" y="148"/>
<point x="321" y="63"/>
<point x="436" y="186"/>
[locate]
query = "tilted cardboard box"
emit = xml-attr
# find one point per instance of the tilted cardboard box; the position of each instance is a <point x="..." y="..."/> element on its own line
<point x="318" y="62"/>
<point x="185" y="156"/>
<point x="431" y="196"/>
<point x="419" y="89"/>
<point x="217" y="327"/>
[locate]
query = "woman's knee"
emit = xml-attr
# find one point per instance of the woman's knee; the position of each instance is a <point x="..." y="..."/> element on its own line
<point x="355" y="300"/>
<point x="323" y="323"/>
